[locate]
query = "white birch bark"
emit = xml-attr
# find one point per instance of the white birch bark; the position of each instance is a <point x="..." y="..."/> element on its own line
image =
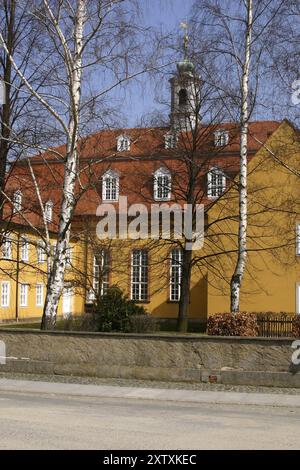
<point x="240" y="267"/>
<point x="56" y="279"/>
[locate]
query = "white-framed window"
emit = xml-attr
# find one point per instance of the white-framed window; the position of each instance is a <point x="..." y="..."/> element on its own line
<point x="162" y="185"/>
<point x="216" y="183"/>
<point x="39" y="295"/>
<point x="24" y="250"/>
<point x="139" y="275"/>
<point x="101" y="272"/>
<point x="6" y="247"/>
<point x="123" y="143"/>
<point x="69" y="252"/>
<point x="221" y="137"/>
<point x="171" y="141"/>
<point x="23" y="295"/>
<point x="41" y="253"/>
<point x="110" y="186"/>
<point x="175" y="274"/>
<point x="49" y="211"/>
<point x="5" y="293"/>
<point x="298" y="239"/>
<point x="17" y="201"/>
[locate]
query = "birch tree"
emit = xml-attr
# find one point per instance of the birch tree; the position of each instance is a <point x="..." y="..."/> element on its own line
<point x="240" y="37"/>
<point x="78" y="37"/>
<point x="74" y="72"/>
<point x="239" y="271"/>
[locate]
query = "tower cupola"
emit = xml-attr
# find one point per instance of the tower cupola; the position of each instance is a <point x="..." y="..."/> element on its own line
<point x="185" y="88"/>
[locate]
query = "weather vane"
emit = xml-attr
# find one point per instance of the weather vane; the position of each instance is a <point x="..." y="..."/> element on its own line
<point x="184" y="25"/>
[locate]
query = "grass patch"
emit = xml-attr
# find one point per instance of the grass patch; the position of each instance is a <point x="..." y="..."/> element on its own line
<point x="75" y="324"/>
<point x="34" y="325"/>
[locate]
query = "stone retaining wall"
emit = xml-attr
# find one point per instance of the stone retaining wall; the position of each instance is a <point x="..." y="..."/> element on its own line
<point x="257" y="361"/>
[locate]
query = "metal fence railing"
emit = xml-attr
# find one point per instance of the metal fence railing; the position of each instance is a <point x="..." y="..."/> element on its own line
<point x="275" y="326"/>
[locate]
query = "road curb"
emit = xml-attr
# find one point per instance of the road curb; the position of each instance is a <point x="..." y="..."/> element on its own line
<point x="138" y="393"/>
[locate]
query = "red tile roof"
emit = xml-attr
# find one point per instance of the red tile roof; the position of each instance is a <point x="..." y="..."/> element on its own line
<point x="98" y="153"/>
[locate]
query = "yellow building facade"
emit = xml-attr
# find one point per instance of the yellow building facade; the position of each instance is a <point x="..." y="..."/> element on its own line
<point x="145" y="270"/>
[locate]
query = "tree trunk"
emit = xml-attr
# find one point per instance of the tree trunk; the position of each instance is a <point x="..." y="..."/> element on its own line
<point x="55" y="283"/>
<point x="6" y="107"/>
<point x="182" y="321"/>
<point x="240" y="267"/>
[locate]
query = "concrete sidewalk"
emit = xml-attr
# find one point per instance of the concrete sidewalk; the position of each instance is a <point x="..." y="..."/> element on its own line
<point x="157" y="394"/>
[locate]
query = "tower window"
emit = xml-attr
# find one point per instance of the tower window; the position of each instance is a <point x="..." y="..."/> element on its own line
<point x="123" y="143"/>
<point x="221" y="138"/>
<point x="216" y="183"/>
<point x="183" y="97"/>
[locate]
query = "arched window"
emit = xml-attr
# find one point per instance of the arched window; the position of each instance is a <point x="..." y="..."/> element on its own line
<point x="162" y="185"/>
<point x="123" y="143"/>
<point x="183" y="97"/>
<point x="17" y="201"/>
<point x="216" y="183"/>
<point x="110" y="186"/>
<point x="49" y="211"/>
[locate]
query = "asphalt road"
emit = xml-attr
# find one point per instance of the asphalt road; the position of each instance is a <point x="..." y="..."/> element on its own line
<point x="37" y="421"/>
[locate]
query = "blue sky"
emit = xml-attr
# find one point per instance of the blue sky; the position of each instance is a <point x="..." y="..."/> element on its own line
<point x="165" y="15"/>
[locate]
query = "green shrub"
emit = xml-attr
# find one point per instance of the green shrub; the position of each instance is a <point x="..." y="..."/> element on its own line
<point x="114" y="311"/>
<point x="229" y="324"/>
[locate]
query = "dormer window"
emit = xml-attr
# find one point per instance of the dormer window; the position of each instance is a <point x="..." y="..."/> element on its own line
<point x="123" y="143"/>
<point x="216" y="183"/>
<point x="49" y="211"/>
<point x="17" y="201"/>
<point x="110" y="186"/>
<point x="171" y="141"/>
<point x="221" y="138"/>
<point x="162" y="185"/>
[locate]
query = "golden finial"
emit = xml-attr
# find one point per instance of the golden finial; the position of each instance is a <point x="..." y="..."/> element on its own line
<point x="184" y="26"/>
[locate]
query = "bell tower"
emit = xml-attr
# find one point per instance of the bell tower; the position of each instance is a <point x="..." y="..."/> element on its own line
<point x="185" y="93"/>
